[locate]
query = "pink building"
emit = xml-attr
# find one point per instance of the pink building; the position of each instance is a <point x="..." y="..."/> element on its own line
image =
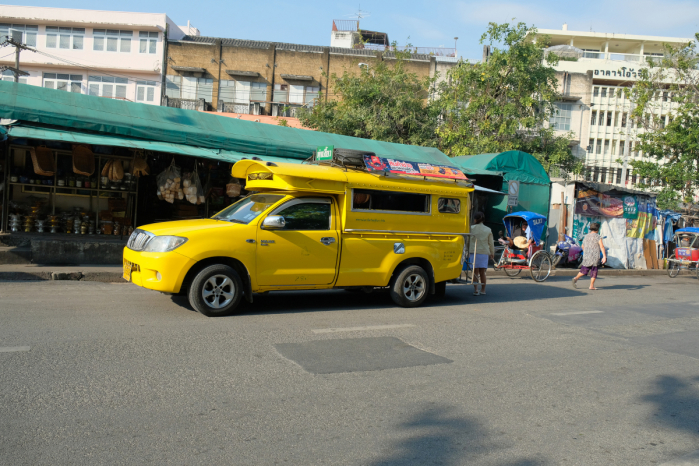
<point x="110" y="54"/>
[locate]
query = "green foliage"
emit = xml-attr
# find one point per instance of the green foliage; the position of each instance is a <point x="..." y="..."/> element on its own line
<point x="505" y="103"/>
<point x="672" y="150"/>
<point x="282" y="122"/>
<point x="384" y="101"/>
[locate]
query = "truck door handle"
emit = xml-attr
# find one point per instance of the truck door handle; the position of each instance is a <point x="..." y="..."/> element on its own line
<point x="327" y="240"/>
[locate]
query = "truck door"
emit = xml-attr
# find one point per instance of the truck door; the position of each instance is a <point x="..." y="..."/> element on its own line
<point x="305" y="250"/>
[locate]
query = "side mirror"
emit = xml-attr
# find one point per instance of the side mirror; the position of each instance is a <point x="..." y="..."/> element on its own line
<point x="273" y="222"/>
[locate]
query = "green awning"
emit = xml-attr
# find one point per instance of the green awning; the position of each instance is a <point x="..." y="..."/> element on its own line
<point x="514" y="165"/>
<point x="73" y="137"/>
<point x="32" y="105"/>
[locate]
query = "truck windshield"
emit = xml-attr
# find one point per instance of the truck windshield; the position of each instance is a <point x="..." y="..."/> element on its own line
<point x="245" y="210"/>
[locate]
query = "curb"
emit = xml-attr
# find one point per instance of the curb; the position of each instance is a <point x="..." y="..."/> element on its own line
<point x="103" y="277"/>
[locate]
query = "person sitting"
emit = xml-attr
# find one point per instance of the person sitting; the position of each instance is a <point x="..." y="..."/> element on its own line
<point x="522" y="230"/>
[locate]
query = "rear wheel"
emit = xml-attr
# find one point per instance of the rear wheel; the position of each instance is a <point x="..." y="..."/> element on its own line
<point x="673" y="267"/>
<point x="410" y="286"/>
<point x="540" y="266"/>
<point x="216" y="291"/>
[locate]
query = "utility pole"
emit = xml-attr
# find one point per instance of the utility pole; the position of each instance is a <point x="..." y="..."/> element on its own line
<point x="18" y="47"/>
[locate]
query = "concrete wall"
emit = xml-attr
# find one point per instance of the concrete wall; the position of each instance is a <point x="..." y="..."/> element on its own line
<point x="270" y="61"/>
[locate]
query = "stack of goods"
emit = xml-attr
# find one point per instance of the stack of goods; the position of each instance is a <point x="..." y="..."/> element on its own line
<point x="15" y="222"/>
<point x="192" y="188"/>
<point x="53" y="223"/>
<point x="113" y="170"/>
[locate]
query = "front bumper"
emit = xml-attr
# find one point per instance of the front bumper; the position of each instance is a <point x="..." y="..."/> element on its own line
<point x="173" y="267"/>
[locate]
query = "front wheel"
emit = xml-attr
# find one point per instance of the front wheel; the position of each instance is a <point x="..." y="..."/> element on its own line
<point x="673" y="267"/>
<point x="504" y="262"/>
<point x="540" y="266"/>
<point x="216" y="291"/>
<point x="410" y="286"/>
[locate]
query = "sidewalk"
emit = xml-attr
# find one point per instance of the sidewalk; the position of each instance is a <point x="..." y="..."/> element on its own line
<point x="87" y="273"/>
<point x="113" y="273"/>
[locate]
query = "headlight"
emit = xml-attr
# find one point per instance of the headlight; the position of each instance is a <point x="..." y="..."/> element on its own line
<point x="164" y="243"/>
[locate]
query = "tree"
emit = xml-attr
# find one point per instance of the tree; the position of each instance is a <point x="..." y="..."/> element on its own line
<point x="506" y="102"/>
<point x="671" y="148"/>
<point x="384" y="101"/>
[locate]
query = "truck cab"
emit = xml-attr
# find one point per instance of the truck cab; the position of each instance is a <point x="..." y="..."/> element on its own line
<point x="309" y="227"/>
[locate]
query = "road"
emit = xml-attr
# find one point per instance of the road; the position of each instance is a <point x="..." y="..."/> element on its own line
<point x="530" y="374"/>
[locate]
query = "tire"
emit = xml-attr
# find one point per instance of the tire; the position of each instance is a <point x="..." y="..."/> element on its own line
<point x="350" y="157"/>
<point x="501" y="265"/>
<point x="410" y="286"/>
<point x="673" y="268"/>
<point x="203" y="294"/>
<point x="540" y="266"/>
<point x="440" y="290"/>
<point x="556" y="260"/>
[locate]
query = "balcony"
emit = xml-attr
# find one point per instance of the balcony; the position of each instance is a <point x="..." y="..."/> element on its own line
<point x="619" y="57"/>
<point x="433" y="51"/>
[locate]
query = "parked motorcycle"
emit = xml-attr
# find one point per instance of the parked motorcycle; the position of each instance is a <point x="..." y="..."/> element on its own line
<point x="568" y="253"/>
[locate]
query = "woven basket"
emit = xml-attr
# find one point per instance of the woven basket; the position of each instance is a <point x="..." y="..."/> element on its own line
<point x="43" y="161"/>
<point x="83" y="160"/>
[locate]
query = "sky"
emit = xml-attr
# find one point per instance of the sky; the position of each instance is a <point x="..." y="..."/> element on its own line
<point x="422" y="23"/>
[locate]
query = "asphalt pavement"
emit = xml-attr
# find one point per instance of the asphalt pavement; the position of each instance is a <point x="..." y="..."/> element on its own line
<point x="529" y="374"/>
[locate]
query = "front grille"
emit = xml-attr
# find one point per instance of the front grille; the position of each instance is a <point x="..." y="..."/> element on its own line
<point x="138" y="240"/>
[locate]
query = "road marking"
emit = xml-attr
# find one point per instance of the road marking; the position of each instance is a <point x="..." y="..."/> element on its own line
<point x="576" y="313"/>
<point x="12" y="349"/>
<point x="357" y="329"/>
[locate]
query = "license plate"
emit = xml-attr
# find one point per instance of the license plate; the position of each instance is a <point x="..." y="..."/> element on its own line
<point x="127" y="270"/>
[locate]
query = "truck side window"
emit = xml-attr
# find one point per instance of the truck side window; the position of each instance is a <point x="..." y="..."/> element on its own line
<point x="390" y="201"/>
<point x="307" y="216"/>
<point x="448" y="206"/>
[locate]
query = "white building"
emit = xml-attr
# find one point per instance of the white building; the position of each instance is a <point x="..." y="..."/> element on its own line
<point x="110" y="54"/>
<point x="592" y="106"/>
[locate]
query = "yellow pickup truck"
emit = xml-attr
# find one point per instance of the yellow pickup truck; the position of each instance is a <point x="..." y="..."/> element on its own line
<point x="309" y="227"/>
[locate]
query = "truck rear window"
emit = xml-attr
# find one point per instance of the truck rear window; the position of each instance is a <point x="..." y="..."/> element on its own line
<point x="246" y="210"/>
<point x="390" y="201"/>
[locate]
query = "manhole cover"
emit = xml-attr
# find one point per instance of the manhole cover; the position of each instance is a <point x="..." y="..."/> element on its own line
<point x="357" y="355"/>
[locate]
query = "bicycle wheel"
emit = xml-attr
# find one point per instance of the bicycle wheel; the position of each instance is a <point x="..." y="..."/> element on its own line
<point x="673" y="267"/>
<point x="540" y="266"/>
<point x="556" y="259"/>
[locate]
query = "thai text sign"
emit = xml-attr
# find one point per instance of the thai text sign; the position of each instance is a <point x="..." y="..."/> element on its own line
<point x="324" y="153"/>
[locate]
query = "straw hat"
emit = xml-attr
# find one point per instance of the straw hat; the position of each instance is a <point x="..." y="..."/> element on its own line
<point x="520" y="242"/>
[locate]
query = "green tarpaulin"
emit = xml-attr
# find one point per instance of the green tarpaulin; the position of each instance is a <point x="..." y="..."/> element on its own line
<point x="83" y="138"/>
<point x="40" y="107"/>
<point x="534" y="182"/>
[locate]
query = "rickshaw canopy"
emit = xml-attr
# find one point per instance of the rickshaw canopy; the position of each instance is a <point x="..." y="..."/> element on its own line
<point x="693" y="230"/>
<point x="536" y="223"/>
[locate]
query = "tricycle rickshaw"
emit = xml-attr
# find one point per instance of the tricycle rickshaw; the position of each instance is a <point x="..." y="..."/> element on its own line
<point x="515" y="259"/>
<point x="686" y="253"/>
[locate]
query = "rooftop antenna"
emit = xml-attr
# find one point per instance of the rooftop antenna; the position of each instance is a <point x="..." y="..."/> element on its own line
<point x="359" y="15"/>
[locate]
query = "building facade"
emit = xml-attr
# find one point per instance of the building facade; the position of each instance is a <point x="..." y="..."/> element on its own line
<point x="270" y="78"/>
<point x="110" y="54"/>
<point x="593" y="105"/>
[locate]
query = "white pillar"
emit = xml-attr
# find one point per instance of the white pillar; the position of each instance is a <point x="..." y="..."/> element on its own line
<point x="571" y="42"/>
<point x="642" y="50"/>
<point x="606" y="50"/>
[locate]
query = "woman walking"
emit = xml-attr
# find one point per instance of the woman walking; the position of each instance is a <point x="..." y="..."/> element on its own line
<point x="482" y="249"/>
<point x="593" y="246"/>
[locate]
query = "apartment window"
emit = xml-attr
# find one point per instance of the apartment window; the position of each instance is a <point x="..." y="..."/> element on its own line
<point x="616" y="119"/>
<point x="258" y="91"/>
<point x="595" y="176"/>
<point x="609" y="118"/>
<point x="601" y="118"/>
<point x="63" y="82"/>
<point x="390" y="201"/>
<point x="633" y="178"/>
<point x="281" y="93"/>
<point x="112" y="40"/>
<point x="561" y="120"/>
<point x="8" y="75"/>
<point x="226" y="91"/>
<point x="618" y="176"/>
<point x="145" y="91"/>
<point x="20" y="32"/>
<point x="661" y="121"/>
<point x="593" y="119"/>
<point x="598" y="147"/>
<point x="173" y="85"/>
<point x="147" y="41"/>
<point x="595" y="92"/>
<point x="664" y="96"/>
<point x="603" y="175"/>
<point x="311" y="94"/>
<point x="65" y="38"/>
<point x="591" y="145"/>
<point x="604" y="92"/>
<point x="623" y="120"/>
<point x="107" y="86"/>
<point x="614" y="147"/>
<point x="606" y="147"/>
<point x="205" y="89"/>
